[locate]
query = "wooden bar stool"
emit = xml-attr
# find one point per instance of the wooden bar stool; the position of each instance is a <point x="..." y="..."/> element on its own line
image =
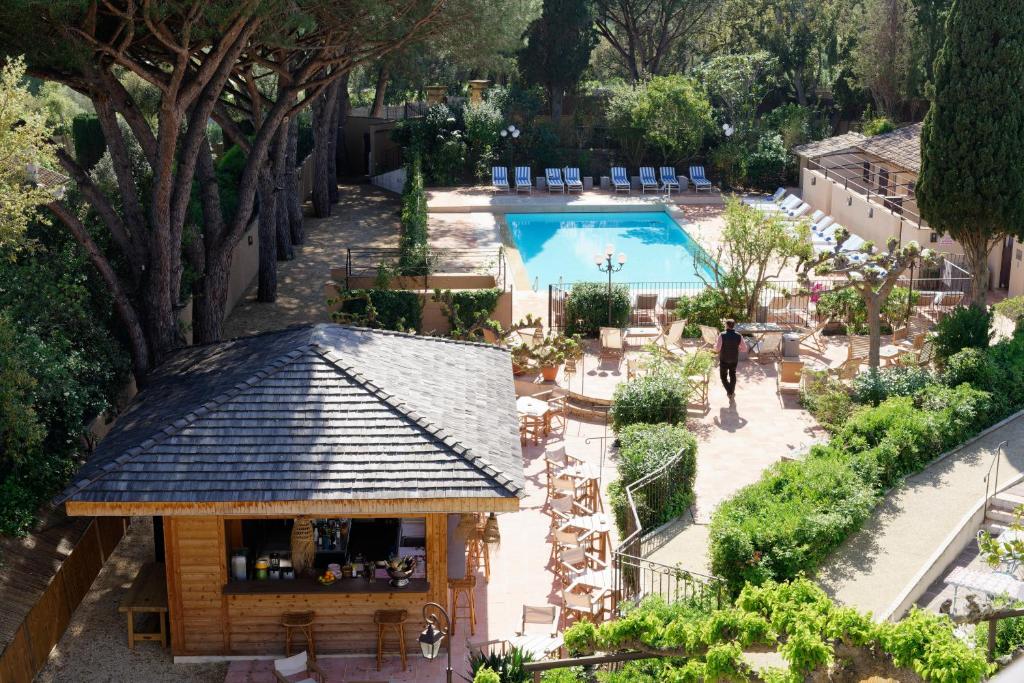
<point x="390" y="620"/>
<point x="478" y="555"/>
<point x="464" y="587"/>
<point x="303" y="622"/>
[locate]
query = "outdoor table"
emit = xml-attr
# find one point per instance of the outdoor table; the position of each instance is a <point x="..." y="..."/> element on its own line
<point x="596" y="527"/>
<point x="641" y="336"/>
<point x="888" y="353"/>
<point x="987" y="582"/>
<point x="147" y="595"/>
<point x="756" y="331"/>
<point x="527" y="405"/>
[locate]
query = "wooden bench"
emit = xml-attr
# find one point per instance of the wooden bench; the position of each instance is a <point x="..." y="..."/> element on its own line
<point x="147" y="595"/>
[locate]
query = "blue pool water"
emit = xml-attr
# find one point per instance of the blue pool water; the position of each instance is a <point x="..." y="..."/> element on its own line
<point x="563" y="245"/>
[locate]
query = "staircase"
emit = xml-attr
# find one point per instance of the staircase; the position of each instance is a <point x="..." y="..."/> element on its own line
<point x="999" y="514"/>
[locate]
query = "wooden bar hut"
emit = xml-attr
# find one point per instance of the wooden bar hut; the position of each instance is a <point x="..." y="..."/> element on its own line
<point x="369" y="443"/>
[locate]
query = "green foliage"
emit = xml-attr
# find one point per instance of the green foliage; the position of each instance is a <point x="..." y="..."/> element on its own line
<point x="963" y="328"/>
<point x="60" y="366"/>
<point x="796" y="124"/>
<point x="826" y="399"/>
<point x="558" y="47"/>
<point x="505" y="667"/>
<point x="385" y="309"/>
<point x="435" y="141"/>
<point x="710" y="307"/>
<point x="970" y="365"/>
<point x="586" y="308"/>
<point x="876" y="385"/>
<point x="468" y="310"/>
<point x="650" y="398"/>
<point x="90" y="144"/>
<point x="765" y="167"/>
<point x="483" y="136"/>
<point x="1009" y="632"/>
<point x="707" y="644"/>
<point x="1012" y="308"/>
<point x="847" y="306"/>
<point x="971" y="184"/>
<point x="571" y="675"/>
<point x="413" y="246"/>
<point x="662" y="120"/>
<point x="229" y="169"/>
<point x="877" y="126"/>
<point x="643" y="448"/>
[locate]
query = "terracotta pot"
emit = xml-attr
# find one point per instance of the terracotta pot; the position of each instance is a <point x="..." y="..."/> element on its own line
<point x="549" y="373"/>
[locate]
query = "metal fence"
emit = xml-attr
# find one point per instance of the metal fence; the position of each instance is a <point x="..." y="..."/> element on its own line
<point x="366" y="261"/>
<point x="635" y="577"/>
<point x="937" y="290"/>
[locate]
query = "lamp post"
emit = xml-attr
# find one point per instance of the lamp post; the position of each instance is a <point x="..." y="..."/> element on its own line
<point x="512" y="133"/>
<point x="605" y="265"/>
<point x="431" y="638"/>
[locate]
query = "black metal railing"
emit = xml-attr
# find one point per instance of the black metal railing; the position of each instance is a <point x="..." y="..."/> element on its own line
<point x="938" y="290"/>
<point x="366" y="261"/>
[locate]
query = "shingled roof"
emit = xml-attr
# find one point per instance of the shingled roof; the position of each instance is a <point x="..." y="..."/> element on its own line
<point x="838" y="143"/>
<point x="323" y="412"/>
<point x="901" y="146"/>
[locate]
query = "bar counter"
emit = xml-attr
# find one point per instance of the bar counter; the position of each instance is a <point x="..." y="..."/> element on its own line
<point x="347" y="586"/>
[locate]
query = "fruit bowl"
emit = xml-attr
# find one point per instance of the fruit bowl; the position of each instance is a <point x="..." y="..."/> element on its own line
<point x="400" y="571"/>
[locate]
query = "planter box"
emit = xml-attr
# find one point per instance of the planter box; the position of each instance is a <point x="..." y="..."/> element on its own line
<point x="606" y="182"/>
<point x="588" y="183"/>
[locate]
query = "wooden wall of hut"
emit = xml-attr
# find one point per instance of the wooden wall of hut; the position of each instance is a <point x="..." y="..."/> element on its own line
<point x="207" y="622"/>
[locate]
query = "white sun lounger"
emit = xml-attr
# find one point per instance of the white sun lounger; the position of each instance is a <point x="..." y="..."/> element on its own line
<point x="554" y="179"/>
<point x="572" y="179"/>
<point x="499" y="179"/>
<point x="670" y="181"/>
<point x="524" y="181"/>
<point x="620" y="181"/>
<point x="647" y="179"/>
<point x="699" y="180"/>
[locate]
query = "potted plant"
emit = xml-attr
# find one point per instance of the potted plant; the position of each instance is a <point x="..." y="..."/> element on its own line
<point x="522" y="356"/>
<point x="555" y="350"/>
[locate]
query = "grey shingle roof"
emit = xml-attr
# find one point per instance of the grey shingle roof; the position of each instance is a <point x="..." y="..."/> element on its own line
<point x="322" y="412"/>
<point x="901" y="146"/>
<point x="838" y="143"/>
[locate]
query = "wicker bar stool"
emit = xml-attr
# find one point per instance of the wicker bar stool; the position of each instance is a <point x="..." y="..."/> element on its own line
<point x="392" y="620"/>
<point x="478" y="555"/>
<point x="303" y="623"/>
<point x="464" y="587"/>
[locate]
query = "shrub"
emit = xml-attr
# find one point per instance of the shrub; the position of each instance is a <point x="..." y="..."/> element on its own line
<point x="486" y="675"/>
<point x="826" y="399"/>
<point x="467" y="310"/>
<point x="765" y="166"/>
<point x="90" y="144"/>
<point x="505" y="667"/>
<point x="437" y="139"/>
<point x="413" y="258"/>
<point x="643" y="448"/>
<point x="789" y="521"/>
<point x="483" y="135"/>
<point x="970" y="365"/>
<point x="1008" y="358"/>
<point x="877" y="126"/>
<point x="848" y="306"/>
<point x="385" y="309"/>
<point x="586" y="308"/>
<point x="874" y="386"/>
<point x="651" y="398"/>
<point x="960" y="412"/>
<point x="1012" y="308"/>
<point x="710" y="307"/>
<point x="663" y="119"/>
<point x="963" y="328"/>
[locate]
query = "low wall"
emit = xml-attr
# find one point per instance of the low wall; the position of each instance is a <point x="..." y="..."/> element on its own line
<point x="434" y="321"/>
<point x="392" y="180"/>
<point x="245" y="265"/>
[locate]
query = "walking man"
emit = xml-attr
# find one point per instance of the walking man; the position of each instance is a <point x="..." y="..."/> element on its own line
<point x="728" y="348"/>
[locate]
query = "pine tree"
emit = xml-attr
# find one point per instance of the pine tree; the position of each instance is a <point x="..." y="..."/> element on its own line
<point x="972" y="144"/>
<point x="558" y="47"/>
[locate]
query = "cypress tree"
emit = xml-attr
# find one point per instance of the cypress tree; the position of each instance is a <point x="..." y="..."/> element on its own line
<point x="558" y="47"/>
<point x="972" y="143"/>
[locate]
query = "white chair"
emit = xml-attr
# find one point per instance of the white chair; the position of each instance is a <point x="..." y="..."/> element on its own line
<point x="574" y="561"/>
<point x="612" y="342"/>
<point x="524" y="181"/>
<point x="672" y="340"/>
<point x="554" y="179"/>
<point x="709" y="335"/>
<point x="620" y="181"/>
<point x="769" y="345"/>
<point x="697" y="177"/>
<point x="300" y="664"/>
<point x="499" y="179"/>
<point x="539" y="642"/>
<point x="647" y="179"/>
<point x="670" y="181"/>
<point x="821" y="224"/>
<point x="584" y="605"/>
<point x="817" y="216"/>
<point x="572" y="179"/>
<point x="799" y="211"/>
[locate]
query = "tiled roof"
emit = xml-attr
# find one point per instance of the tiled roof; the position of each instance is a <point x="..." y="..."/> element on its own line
<point x="901" y="146"/>
<point x="323" y="412"/>
<point x="820" y="148"/>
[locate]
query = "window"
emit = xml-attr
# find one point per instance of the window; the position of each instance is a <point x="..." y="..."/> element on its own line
<point x="883" y="181"/>
<point x="866" y="172"/>
<point x="933" y="237"/>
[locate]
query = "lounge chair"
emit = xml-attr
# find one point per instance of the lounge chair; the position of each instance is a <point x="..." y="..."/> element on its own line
<point x="708" y="335"/>
<point x="670" y="181"/>
<point x="766" y="201"/>
<point x="524" y="181"/>
<point x="788" y="202"/>
<point x="799" y="211"/>
<point x="554" y="178"/>
<point x="699" y="180"/>
<point x="585" y="606"/>
<point x="817" y="216"/>
<point x="770" y="344"/>
<point x="620" y="181"/>
<point x="572" y="179"/>
<point x="818" y="227"/>
<point x="789" y="376"/>
<point x="814" y="337"/>
<point x="672" y="340"/>
<point x="644" y="308"/>
<point x="668" y="313"/>
<point x="539" y="645"/>
<point x="612" y="345"/>
<point x="647" y="179"/>
<point x="499" y="179"/>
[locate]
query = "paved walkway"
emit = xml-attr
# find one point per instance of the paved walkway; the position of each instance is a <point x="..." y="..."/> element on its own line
<point x="875" y="565"/>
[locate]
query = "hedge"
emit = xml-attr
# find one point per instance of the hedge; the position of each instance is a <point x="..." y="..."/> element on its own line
<point x="651" y="398"/>
<point x="90" y="143"/>
<point x="789" y="521"/>
<point x="387" y="309"/>
<point x="643" y="448"/>
<point x="586" y="308"/>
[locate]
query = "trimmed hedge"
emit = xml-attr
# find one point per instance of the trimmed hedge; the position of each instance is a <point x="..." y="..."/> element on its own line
<point x="650" y="399"/>
<point x="386" y="309"/>
<point x="643" y="448"/>
<point x="586" y="308"/>
<point x="90" y="143"/>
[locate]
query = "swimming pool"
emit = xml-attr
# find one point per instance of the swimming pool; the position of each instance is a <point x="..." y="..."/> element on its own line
<point x="563" y="245"/>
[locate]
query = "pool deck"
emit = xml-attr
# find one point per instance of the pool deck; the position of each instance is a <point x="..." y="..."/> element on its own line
<point x="482" y="199"/>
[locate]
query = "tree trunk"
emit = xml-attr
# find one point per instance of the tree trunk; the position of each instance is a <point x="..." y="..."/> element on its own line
<point x="293" y="200"/>
<point x="340" y="148"/>
<point x="276" y="160"/>
<point x="874" y="309"/>
<point x="332" y="137"/>
<point x="976" y="250"/>
<point x="267" y="287"/>
<point x="557" y="97"/>
<point x="209" y="257"/>
<point x="377" y="111"/>
<point x="321" y="163"/>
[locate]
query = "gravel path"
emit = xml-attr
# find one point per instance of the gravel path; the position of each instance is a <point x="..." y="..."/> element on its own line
<point x="873" y="566"/>
<point x="94" y="648"/>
